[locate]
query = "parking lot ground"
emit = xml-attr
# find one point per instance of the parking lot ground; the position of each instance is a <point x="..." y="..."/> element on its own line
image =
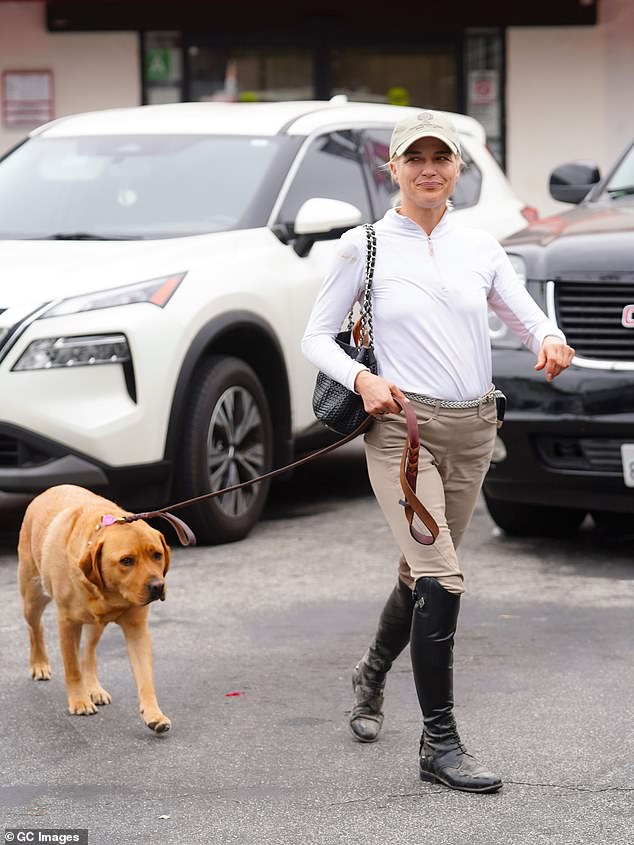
<point x="253" y="653"/>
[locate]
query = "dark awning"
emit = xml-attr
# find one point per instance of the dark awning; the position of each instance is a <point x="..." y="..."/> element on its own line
<point x="350" y="20"/>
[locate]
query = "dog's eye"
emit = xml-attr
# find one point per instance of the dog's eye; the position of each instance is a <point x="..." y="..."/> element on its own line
<point x="158" y="555"/>
<point x="127" y="561"/>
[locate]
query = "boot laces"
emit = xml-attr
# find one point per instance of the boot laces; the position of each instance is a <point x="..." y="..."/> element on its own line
<point x="451" y="742"/>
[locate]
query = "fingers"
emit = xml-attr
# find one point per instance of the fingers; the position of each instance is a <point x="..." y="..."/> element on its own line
<point x="377" y="395"/>
<point x="397" y="393"/>
<point x="555" y="358"/>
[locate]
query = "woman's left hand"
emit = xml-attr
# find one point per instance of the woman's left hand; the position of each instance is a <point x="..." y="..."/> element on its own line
<point x="555" y="356"/>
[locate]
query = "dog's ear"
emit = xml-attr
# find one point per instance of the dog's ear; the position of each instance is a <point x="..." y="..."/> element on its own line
<point x="90" y="564"/>
<point x="166" y="555"/>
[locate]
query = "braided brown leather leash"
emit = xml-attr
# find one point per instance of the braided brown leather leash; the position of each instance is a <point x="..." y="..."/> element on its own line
<point x="408" y="474"/>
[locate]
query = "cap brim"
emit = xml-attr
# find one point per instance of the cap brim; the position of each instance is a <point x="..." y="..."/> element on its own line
<point x="407" y="143"/>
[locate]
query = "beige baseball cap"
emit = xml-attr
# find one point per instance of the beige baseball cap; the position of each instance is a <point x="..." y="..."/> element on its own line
<point x="425" y="124"/>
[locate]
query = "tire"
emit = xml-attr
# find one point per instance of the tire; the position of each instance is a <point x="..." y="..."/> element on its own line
<point x="521" y="520"/>
<point x="227" y="438"/>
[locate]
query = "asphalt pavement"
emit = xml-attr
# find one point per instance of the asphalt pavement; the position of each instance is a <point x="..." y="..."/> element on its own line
<point x="253" y="651"/>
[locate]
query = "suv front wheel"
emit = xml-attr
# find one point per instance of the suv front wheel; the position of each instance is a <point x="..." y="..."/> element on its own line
<point x="227" y="439"/>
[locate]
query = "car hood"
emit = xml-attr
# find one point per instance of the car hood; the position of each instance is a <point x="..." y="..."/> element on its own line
<point x="34" y="272"/>
<point x="589" y="239"/>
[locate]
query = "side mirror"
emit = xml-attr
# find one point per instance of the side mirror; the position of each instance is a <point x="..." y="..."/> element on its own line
<point x="321" y="219"/>
<point x="317" y="216"/>
<point x="571" y="182"/>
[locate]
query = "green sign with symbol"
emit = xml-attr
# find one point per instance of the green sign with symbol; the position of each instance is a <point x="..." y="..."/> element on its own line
<point x="158" y="64"/>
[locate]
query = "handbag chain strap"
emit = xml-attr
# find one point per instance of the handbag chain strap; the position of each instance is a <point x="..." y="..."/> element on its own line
<point x="366" y="328"/>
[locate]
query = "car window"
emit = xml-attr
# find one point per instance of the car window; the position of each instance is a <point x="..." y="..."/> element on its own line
<point x="376" y="152"/>
<point x="621" y="184"/>
<point x="468" y="187"/>
<point x="146" y="186"/>
<point x="331" y="168"/>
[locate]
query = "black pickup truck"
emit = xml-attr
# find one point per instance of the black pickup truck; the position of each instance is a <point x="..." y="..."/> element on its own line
<point x="567" y="447"/>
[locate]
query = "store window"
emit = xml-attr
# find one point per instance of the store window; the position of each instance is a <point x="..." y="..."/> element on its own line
<point x="162" y="67"/>
<point x="425" y="78"/>
<point x="249" y="75"/>
<point x="484" y="61"/>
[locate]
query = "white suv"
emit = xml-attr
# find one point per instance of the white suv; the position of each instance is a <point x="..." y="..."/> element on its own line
<point x="158" y="266"/>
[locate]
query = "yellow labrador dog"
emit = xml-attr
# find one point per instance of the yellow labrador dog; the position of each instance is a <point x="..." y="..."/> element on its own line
<point x="72" y="551"/>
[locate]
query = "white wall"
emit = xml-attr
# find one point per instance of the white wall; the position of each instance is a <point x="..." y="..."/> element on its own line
<point x="91" y="70"/>
<point x="569" y="96"/>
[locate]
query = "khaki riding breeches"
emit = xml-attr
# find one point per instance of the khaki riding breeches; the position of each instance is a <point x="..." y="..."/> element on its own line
<point x="456" y="447"/>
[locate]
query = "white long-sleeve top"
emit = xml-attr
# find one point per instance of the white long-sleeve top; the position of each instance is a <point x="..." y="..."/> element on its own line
<point x="429" y="307"/>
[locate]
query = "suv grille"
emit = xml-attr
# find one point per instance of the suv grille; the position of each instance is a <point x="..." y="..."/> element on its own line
<point x="589" y="313"/>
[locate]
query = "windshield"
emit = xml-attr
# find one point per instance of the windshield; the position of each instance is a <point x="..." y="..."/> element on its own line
<point x="129" y="187"/>
<point x="621" y="184"/>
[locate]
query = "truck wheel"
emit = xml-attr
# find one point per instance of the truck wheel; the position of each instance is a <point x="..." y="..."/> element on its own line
<point x="521" y="520"/>
<point x="612" y="522"/>
<point x="227" y="439"/>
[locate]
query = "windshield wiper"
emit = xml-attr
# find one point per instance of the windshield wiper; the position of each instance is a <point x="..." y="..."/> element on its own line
<point x="617" y="193"/>
<point x="87" y="236"/>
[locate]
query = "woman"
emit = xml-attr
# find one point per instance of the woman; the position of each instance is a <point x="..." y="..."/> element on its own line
<point x="433" y="283"/>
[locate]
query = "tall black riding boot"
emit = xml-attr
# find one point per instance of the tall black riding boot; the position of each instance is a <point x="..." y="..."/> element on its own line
<point x="368" y="677"/>
<point x="443" y="758"/>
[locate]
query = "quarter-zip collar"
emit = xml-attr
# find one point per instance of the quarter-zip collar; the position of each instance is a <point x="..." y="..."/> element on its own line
<point x="443" y="227"/>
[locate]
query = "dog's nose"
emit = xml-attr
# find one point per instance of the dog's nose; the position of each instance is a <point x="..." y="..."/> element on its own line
<point x="156" y="588"/>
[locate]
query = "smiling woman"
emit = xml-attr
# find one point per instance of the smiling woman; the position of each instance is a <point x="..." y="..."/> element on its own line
<point x="433" y="282"/>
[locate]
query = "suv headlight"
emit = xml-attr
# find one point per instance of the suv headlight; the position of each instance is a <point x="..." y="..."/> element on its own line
<point x="155" y="291"/>
<point x="500" y="334"/>
<point x="55" y="352"/>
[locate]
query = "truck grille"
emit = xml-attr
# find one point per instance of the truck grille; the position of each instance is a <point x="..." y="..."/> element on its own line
<point x="589" y="313"/>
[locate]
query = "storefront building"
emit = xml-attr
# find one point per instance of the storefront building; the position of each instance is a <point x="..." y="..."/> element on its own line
<point x="486" y="59"/>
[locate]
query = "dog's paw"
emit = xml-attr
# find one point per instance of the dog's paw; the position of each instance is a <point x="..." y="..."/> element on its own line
<point x="158" y="723"/>
<point x="41" y="671"/>
<point x="81" y="706"/>
<point x="100" y="696"/>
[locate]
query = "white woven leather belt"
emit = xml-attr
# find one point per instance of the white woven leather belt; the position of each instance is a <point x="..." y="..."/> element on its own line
<point x="453" y="403"/>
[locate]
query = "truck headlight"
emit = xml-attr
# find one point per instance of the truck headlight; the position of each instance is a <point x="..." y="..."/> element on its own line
<point x="56" y="352"/>
<point x="500" y="334"/>
<point x="155" y="291"/>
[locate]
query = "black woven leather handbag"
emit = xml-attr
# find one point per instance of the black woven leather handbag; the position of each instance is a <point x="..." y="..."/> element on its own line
<point x="334" y="405"/>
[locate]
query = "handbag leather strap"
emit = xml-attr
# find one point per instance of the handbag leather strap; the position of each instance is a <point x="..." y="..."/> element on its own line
<point x="409" y="471"/>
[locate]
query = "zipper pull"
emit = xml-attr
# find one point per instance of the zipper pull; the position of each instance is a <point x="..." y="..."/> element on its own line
<point x="430" y="245"/>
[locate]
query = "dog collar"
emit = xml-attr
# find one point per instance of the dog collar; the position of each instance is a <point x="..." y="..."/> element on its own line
<point x="183" y="531"/>
<point x="109" y="519"/>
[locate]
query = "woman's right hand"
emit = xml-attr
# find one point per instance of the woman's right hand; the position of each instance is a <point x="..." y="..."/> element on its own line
<point x="377" y="394"/>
